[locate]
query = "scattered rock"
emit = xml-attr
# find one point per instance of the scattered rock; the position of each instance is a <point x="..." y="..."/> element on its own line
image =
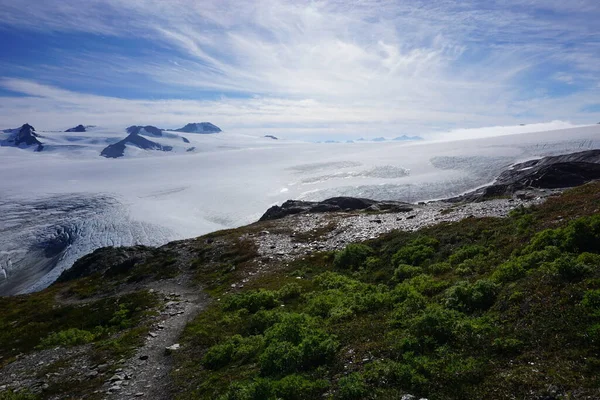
<point x="172" y="348"/>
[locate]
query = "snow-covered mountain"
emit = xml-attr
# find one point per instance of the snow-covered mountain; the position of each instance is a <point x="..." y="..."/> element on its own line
<point x="199" y="127"/>
<point x="118" y="149"/>
<point x="23" y="137"/>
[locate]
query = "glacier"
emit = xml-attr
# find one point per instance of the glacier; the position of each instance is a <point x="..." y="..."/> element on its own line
<point x="62" y="203"/>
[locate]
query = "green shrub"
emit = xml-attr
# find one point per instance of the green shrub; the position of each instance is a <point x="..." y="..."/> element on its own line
<point x="259" y="322"/>
<point x="289" y="291"/>
<point x="280" y="358"/>
<point x="405" y="271"/>
<point x="439" y="268"/>
<point x="258" y="389"/>
<point x="472" y="297"/>
<point x="426" y="284"/>
<point x="591" y="301"/>
<point x="352" y="257"/>
<point x="417" y="252"/>
<point x="352" y="387"/>
<point x="569" y="268"/>
<point x="317" y="348"/>
<point x="590" y="259"/>
<point x="517" y="267"/>
<point x="507" y="345"/>
<point x="435" y="324"/>
<point x="465" y="253"/>
<point x="252" y="301"/>
<point x="297" y="387"/>
<point x="291" y="328"/>
<point x="295" y="343"/>
<point x="413" y="304"/>
<point x="68" y="337"/>
<point x="236" y="348"/>
<point x="291" y="387"/>
<point x="334" y="280"/>
<point x="21" y="395"/>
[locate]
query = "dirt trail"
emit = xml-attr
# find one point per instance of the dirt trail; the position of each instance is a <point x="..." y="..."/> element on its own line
<point x="146" y="374"/>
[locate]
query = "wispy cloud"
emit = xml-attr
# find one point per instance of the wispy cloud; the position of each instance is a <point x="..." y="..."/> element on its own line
<point x="405" y="65"/>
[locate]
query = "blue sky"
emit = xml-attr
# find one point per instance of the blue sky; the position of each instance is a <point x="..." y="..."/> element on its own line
<point x="304" y="68"/>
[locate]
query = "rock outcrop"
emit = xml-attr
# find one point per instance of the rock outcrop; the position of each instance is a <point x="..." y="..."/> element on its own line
<point x="553" y="172"/>
<point x="78" y="128"/>
<point x="334" y="204"/>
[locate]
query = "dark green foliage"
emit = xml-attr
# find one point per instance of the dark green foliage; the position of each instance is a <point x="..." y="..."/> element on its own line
<point x="352" y="257"/>
<point x="252" y="301"/>
<point x="291" y="387"/>
<point x="352" y="387"/>
<point x="416" y="252"/>
<point x="465" y="253"/>
<point x="472" y="297"/>
<point x="569" y="268"/>
<point x="289" y="291"/>
<point x="22" y="395"/>
<point x="591" y="301"/>
<point x="237" y="348"/>
<point x="68" y="337"/>
<point x="404" y="271"/>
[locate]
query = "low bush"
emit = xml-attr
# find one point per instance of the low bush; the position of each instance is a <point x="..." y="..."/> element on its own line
<point x="68" y="337"/>
<point x="405" y="271"/>
<point x="417" y="252"/>
<point x="480" y="295"/>
<point x="352" y="387"/>
<point x="352" y="257"/>
<point x="252" y="301"/>
<point x="237" y="348"/>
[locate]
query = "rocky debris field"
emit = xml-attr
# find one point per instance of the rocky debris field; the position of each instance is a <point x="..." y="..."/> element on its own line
<point x="301" y="234"/>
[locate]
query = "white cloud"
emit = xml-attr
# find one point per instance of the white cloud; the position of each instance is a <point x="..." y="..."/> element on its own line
<point x="333" y="65"/>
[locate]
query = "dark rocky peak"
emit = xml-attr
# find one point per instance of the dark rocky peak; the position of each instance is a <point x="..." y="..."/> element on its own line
<point x="334" y="204"/>
<point x="199" y="127"/>
<point x="23" y="137"/>
<point x="145" y="130"/>
<point x="117" y="150"/>
<point x="272" y="137"/>
<point x="78" y="128"/>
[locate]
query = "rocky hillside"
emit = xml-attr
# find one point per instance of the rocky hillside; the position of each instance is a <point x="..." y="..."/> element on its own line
<point x="496" y="299"/>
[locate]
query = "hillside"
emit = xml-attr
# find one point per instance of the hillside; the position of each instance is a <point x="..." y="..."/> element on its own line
<point x="487" y="307"/>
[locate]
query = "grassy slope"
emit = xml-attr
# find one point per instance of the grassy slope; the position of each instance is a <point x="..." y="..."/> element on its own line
<point x="483" y="308"/>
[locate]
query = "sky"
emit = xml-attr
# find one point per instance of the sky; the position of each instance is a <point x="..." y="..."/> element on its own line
<point x="305" y="69"/>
